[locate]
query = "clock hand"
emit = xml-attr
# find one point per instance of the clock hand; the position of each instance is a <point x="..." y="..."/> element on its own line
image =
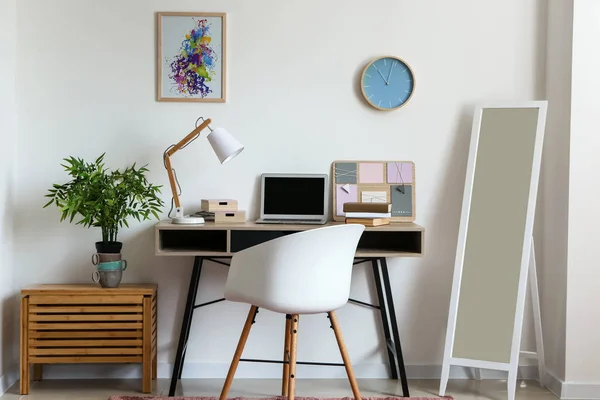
<point x="375" y="66"/>
<point x="390" y="74"/>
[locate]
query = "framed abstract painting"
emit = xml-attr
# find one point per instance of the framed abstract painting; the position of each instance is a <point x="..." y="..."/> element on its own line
<point x="191" y="56"/>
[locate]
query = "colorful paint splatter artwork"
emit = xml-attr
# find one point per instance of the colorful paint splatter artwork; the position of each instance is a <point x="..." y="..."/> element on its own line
<point x="194" y="65"/>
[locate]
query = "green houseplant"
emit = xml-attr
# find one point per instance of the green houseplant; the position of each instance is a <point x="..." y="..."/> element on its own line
<point x="105" y="199"/>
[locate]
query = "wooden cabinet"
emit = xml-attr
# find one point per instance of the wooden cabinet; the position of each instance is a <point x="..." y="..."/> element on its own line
<point x="62" y="324"/>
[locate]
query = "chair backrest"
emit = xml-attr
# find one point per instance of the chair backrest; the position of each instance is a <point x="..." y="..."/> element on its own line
<point x="305" y="272"/>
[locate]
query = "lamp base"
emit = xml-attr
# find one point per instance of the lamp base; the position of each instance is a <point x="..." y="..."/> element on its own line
<point x="187" y="220"/>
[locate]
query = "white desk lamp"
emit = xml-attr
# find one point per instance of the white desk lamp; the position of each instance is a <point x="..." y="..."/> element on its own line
<point x="225" y="146"/>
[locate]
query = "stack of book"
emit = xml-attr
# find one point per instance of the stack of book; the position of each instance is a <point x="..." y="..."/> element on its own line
<point x="368" y="214"/>
<point x="221" y="211"/>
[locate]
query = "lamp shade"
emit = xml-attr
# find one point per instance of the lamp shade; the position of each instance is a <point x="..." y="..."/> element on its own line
<point x="224" y="145"/>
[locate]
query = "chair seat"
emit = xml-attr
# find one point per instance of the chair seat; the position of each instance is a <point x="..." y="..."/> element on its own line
<point x="311" y="305"/>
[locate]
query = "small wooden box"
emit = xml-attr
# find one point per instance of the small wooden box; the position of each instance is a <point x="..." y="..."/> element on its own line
<point x="223" y="217"/>
<point x="213" y="205"/>
<point x="62" y="324"/>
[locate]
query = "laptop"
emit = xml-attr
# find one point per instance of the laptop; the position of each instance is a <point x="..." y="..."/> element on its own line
<point x="293" y="199"/>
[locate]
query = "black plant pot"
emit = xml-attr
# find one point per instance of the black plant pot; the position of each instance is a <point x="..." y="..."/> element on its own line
<point x="109" y="247"/>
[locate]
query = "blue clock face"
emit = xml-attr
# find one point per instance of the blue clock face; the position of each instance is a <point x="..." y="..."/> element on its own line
<point x="387" y="83"/>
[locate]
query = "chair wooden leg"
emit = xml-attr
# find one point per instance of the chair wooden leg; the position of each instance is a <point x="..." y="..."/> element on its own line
<point x="285" y="380"/>
<point x="238" y="352"/>
<point x="293" y="348"/>
<point x="345" y="357"/>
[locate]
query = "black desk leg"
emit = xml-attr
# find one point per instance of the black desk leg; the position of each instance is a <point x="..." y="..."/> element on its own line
<point x="384" y="318"/>
<point x="186" y="325"/>
<point x="392" y="310"/>
<point x="196" y="280"/>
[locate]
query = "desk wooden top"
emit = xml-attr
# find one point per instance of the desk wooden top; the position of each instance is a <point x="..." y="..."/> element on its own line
<point x="252" y="226"/>
<point x="90" y="289"/>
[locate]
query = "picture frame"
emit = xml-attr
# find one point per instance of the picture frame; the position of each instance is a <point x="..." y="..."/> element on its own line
<point x="191" y="57"/>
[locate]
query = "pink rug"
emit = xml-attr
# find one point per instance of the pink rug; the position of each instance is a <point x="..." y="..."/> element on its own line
<point x="272" y="398"/>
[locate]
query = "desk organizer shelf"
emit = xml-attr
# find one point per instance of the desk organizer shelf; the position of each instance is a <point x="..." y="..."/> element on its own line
<point x="375" y="181"/>
<point x="214" y="240"/>
<point x="63" y="324"/>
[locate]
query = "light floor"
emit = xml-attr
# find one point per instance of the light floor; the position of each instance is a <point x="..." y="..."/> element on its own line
<point x="102" y="389"/>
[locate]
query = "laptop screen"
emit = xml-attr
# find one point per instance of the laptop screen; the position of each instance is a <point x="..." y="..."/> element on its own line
<point x="287" y="195"/>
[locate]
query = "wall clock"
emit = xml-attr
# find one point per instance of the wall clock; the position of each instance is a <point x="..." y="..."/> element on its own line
<point x="387" y="83"/>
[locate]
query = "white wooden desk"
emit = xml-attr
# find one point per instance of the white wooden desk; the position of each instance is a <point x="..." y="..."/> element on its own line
<point x="218" y="242"/>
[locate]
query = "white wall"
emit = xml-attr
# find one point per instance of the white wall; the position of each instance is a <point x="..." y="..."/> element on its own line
<point x="8" y="133"/>
<point x="293" y="100"/>
<point x="554" y="194"/>
<point x="583" y="283"/>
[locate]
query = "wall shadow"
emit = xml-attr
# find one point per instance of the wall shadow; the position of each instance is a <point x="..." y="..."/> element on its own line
<point x="432" y="279"/>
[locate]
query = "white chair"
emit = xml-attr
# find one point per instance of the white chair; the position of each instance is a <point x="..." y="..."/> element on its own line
<point x="302" y="273"/>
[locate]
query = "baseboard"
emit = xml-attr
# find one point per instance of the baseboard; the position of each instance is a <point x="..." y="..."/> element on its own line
<point x="9" y="378"/>
<point x="269" y="371"/>
<point x="570" y="390"/>
<point x="564" y="390"/>
<point x="580" y="391"/>
<point x="554" y="384"/>
<point x="529" y="372"/>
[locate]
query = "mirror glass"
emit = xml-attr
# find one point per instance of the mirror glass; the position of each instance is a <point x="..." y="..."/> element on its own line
<point x="495" y="234"/>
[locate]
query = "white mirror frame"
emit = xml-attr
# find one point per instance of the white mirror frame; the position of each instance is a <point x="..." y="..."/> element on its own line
<point x="527" y="257"/>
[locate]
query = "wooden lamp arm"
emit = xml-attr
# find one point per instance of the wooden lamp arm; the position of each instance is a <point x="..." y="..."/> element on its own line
<point x="172" y="180"/>
<point x="188" y="138"/>
<point x="173" y="150"/>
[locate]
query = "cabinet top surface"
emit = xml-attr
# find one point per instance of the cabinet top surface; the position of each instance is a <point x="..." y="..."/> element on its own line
<point x="393" y="227"/>
<point x="90" y="289"/>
